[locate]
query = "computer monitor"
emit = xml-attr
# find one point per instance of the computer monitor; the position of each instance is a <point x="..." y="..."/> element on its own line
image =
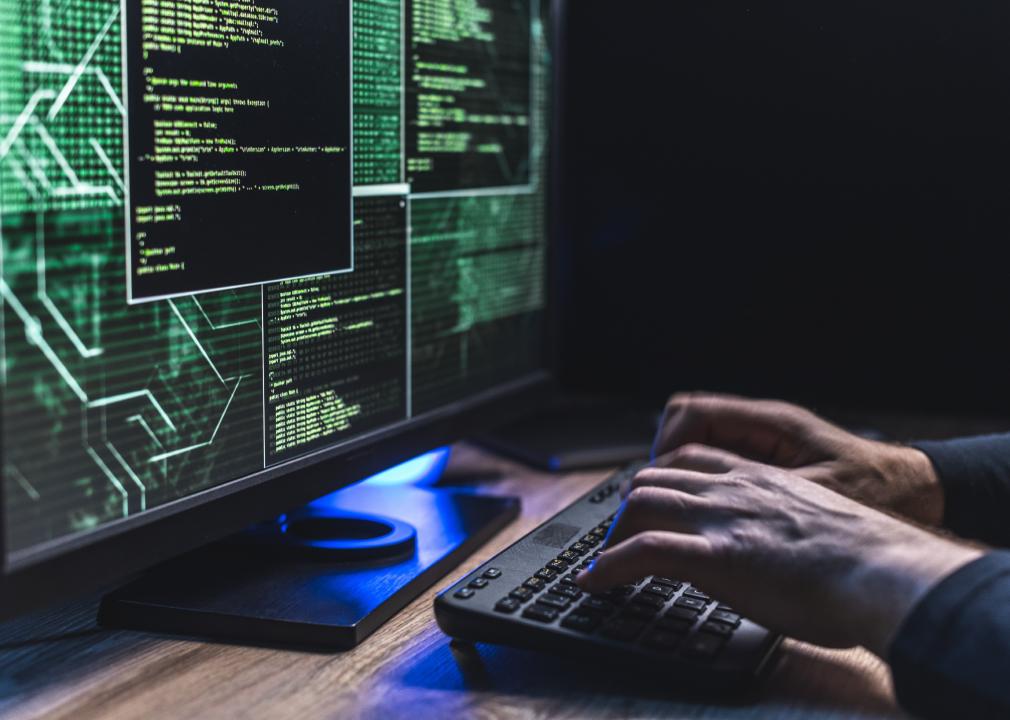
<point x="253" y="251"/>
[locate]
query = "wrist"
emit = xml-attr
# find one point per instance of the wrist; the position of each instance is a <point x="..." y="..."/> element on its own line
<point x="895" y="577"/>
<point x="919" y="493"/>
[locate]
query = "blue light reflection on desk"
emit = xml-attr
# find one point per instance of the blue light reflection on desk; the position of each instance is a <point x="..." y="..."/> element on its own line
<point x="422" y="470"/>
<point x="414" y="477"/>
<point x="418" y="472"/>
<point x="404" y="492"/>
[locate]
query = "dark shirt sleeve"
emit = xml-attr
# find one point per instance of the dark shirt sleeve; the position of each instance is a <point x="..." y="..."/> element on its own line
<point x="975" y="474"/>
<point x="951" y="657"/>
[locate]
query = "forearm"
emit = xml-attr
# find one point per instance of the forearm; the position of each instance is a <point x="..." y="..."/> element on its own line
<point x="951" y="656"/>
<point x="974" y="474"/>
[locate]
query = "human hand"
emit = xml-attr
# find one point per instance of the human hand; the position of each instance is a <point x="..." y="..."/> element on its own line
<point x="790" y="554"/>
<point x="891" y="477"/>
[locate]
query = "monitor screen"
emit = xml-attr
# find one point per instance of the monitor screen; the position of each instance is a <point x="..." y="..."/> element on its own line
<point x="238" y="236"/>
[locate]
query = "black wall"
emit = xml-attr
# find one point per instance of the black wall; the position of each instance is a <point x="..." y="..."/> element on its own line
<point x="786" y="198"/>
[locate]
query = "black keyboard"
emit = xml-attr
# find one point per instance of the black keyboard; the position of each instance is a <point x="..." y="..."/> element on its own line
<point x="526" y="596"/>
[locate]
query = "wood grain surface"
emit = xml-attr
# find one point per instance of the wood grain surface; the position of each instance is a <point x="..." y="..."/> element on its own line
<point x="57" y="664"/>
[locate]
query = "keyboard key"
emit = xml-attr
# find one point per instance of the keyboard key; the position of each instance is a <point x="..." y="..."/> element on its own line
<point x="569" y="557"/>
<point x="464" y="593"/>
<point x="724" y="616"/>
<point x="674" y="624"/>
<point x="675" y="584"/>
<point x="644" y="612"/>
<point x="696" y="593"/>
<point x="579" y="548"/>
<point x="546" y="574"/>
<point x="617" y="595"/>
<point x="554" y="601"/>
<point x="558" y="566"/>
<point x="598" y="604"/>
<point x="663" y="591"/>
<point x="626" y="629"/>
<point x="582" y="622"/>
<point x="569" y="591"/>
<point x="569" y="579"/>
<point x="507" y="605"/>
<point x="492" y="573"/>
<point x="478" y="583"/>
<point x="600" y="532"/>
<point x="717" y="628"/>
<point x="535" y="584"/>
<point x="682" y="613"/>
<point x="690" y="602"/>
<point x="597" y="553"/>
<point x="521" y="594"/>
<point x="652" y="601"/>
<point x="624" y="589"/>
<point x="703" y="646"/>
<point x="590" y="540"/>
<point x="662" y="640"/>
<point x="541" y="613"/>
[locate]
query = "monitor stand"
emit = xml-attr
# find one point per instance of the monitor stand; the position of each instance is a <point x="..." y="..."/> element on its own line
<point x="324" y="577"/>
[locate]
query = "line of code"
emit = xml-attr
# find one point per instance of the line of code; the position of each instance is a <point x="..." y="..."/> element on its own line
<point x="335" y="355"/>
<point x="231" y="102"/>
<point x="468" y="94"/>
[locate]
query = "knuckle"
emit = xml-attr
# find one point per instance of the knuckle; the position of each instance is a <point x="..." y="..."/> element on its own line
<point x="690" y="451"/>
<point x="791" y="418"/>
<point x="641" y="495"/>
<point x="650" y="542"/>
<point x="740" y="537"/>
<point x="772" y="406"/>
<point x="731" y="540"/>
<point x="645" y="476"/>
<point x="678" y="399"/>
<point x="683" y="402"/>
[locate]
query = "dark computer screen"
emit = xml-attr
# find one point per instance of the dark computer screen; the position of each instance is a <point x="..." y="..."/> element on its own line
<point x="237" y="233"/>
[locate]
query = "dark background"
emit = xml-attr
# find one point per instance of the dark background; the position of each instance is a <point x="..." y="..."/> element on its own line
<point x="785" y="198"/>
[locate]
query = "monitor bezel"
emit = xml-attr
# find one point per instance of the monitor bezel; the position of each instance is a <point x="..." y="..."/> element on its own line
<point x="113" y="556"/>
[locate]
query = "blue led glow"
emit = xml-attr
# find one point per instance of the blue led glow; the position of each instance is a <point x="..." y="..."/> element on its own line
<point x="419" y="471"/>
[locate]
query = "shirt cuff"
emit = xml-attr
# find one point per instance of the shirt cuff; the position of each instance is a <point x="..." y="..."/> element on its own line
<point x="940" y="659"/>
<point x="975" y="476"/>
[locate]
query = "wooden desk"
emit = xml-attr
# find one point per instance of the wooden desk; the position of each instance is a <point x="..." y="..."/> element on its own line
<point x="59" y="665"/>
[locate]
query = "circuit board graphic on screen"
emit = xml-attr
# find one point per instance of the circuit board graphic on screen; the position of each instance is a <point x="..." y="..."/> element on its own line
<point x="236" y="232"/>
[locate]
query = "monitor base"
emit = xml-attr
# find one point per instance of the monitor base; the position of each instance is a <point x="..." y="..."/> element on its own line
<point x="262" y="589"/>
